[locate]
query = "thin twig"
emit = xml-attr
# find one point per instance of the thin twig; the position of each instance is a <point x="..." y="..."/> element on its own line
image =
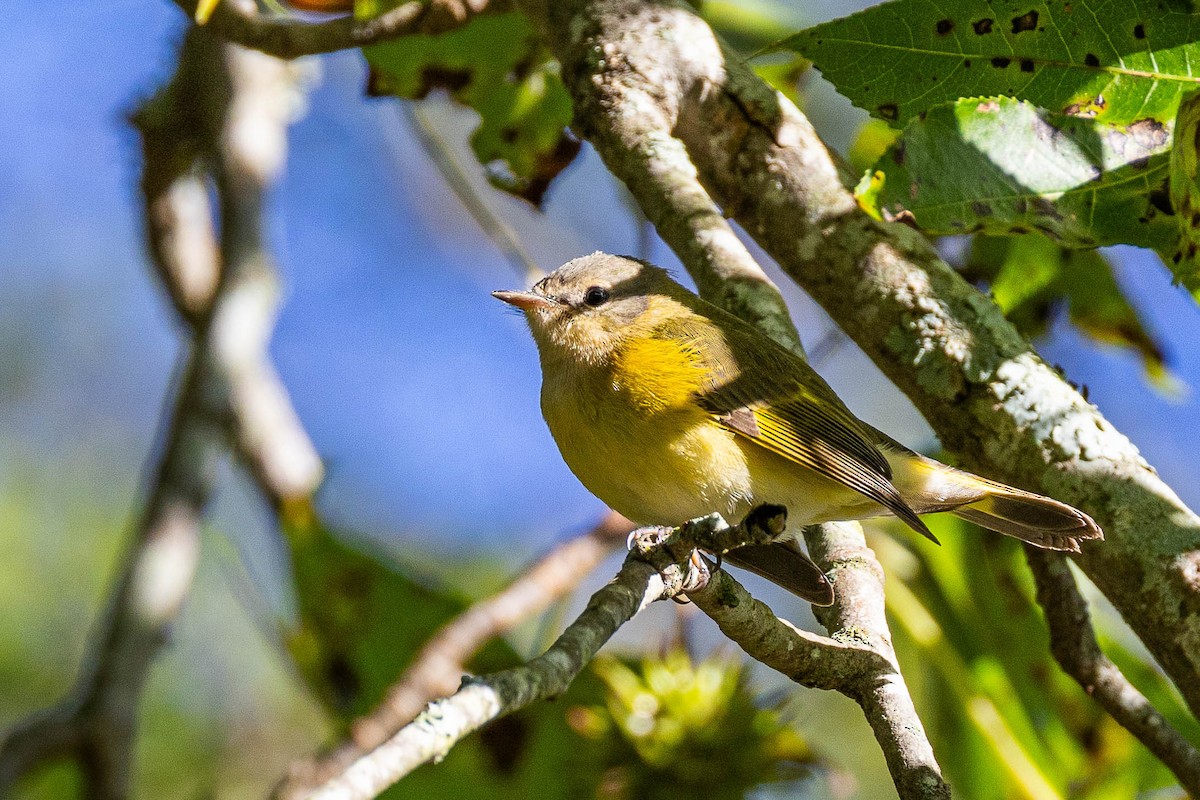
<point x="662" y="563"/>
<point x="1073" y="643"/>
<point x="240" y="22"/>
<point x="444" y="159"/>
<point x="439" y="666"/>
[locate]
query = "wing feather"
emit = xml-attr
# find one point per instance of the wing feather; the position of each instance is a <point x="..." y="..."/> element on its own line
<point x="784" y="406"/>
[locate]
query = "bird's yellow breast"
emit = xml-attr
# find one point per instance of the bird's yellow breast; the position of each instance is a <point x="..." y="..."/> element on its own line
<point x="635" y="437"/>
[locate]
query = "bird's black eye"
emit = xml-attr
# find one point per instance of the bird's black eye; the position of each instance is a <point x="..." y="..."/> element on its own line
<point x="596" y="296"/>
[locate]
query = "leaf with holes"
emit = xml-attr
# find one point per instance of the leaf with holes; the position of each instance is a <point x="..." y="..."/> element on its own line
<point x="1118" y="62"/>
<point x="1001" y="166"/>
<point x="1185" y="195"/>
<point x="496" y="65"/>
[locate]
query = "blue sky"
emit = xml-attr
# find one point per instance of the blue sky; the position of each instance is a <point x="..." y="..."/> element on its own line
<point x="420" y="392"/>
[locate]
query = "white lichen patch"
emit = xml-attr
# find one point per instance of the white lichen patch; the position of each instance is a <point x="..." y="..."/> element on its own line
<point x="1040" y="403"/>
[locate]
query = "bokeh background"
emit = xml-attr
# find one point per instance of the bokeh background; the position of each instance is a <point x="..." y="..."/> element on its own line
<point x="418" y="390"/>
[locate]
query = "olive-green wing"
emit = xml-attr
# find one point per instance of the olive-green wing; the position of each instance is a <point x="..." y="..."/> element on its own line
<point x="783" y="405"/>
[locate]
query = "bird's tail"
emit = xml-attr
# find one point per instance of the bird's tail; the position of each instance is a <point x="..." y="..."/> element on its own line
<point x="928" y="485"/>
<point x="1031" y="518"/>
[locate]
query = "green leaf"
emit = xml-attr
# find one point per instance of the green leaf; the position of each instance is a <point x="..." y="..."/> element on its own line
<point x="1001" y="166"/>
<point x="1120" y="62"/>
<point x="496" y="65"/>
<point x="1031" y="276"/>
<point x="1185" y="194"/>
<point x="873" y="140"/>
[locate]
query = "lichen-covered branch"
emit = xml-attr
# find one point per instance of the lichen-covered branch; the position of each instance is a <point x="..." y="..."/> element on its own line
<point x="240" y="21"/>
<point x="441" y="663"/>
<point x="992" y="401"/>
<point x="1074" y="645"/>
<point x="858" y="614"/>
<point x="221" y="106"/>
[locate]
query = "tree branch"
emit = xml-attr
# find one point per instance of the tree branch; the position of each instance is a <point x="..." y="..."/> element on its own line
<point x="630" y="108"/>
<point x="439" y="666"/>
<point x="1074" y="645"/>
<point x="662" y="564"/>
<point x="239" y="21"/>
<point x="986" y="394"/>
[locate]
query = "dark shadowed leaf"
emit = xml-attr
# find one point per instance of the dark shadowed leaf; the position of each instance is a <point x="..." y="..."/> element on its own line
<point x="1119" y="62"/>
<point x="1001" y="166"/>
<point x="1031" y="277"/>
<point x="1185" y="195"/>
<point x="361" y="621"/>
<point x="496" y="65"/>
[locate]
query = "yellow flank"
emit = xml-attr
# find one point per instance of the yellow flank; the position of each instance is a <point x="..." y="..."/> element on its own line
<point x="658" y="373"/>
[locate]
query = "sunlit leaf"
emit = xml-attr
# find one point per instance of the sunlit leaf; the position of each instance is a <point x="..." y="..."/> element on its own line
<point x="1001" y="166"/>
<point x="1121" y="62"/>
<point x="204" y="10"/>
<point x="496" y="65"/>
<point x="873" y="140"/>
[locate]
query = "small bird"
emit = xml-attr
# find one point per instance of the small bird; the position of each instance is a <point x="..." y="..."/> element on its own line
<point x="669" y="408"/>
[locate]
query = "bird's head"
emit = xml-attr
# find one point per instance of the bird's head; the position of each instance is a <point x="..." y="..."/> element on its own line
<point x="587" y="308"/>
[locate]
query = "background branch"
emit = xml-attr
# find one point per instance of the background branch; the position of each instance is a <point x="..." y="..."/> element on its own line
<point x="239" y="21"/>
<point x="222" y="111"/>
<point x="1074" y="645"/>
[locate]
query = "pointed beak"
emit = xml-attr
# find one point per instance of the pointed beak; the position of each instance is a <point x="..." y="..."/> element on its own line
<point x="526" y="301"/>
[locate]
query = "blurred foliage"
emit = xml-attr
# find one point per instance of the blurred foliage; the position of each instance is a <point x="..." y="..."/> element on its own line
<point x="219" y="711"/>
<point x="1185" y="193"/>
<point x="362" y="620"/>
<point x="1006" y="722"/>
<point x="671" y="728"/>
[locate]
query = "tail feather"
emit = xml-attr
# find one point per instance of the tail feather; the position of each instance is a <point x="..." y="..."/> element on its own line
<point x="929" y="486"/>
<point x="1031" y="518"/>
